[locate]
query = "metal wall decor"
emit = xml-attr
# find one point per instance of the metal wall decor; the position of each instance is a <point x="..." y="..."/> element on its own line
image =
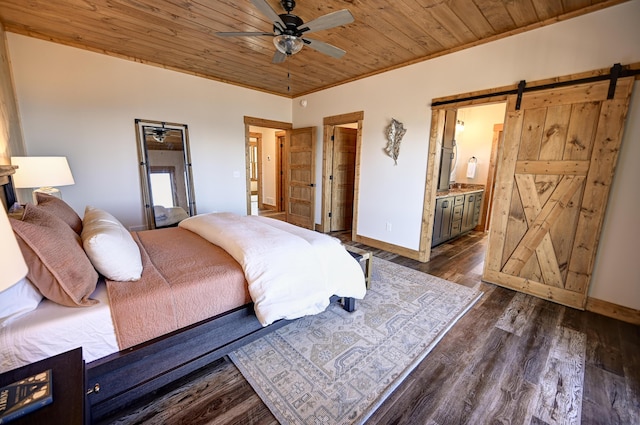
<point x="395" y="131"/>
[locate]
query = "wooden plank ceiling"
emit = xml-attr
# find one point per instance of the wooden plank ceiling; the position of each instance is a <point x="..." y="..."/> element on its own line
<point x="180" y="34"/>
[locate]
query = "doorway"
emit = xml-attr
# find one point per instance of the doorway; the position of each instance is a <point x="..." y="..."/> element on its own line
<point x="341" y="159"/>
<point x="255" y="171"/>
<point x="475" y="144"/>
<point x="296" y="176"/>
<point x="265" y="167"/>
<point x="479" y="130"/>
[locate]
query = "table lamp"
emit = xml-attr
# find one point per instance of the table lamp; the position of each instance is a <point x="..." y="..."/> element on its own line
<point x="11" y="261"/>
<point x="42" y="172"/>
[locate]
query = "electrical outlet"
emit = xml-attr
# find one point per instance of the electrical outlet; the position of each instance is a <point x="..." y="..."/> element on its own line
<point x="388" y="226"/>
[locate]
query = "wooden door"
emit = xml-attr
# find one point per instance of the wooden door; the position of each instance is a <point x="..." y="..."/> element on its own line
<point x="555" y="169"/>
<point x="300" y="177"/>
<point x="343" y="178"/>
<point x="442" y="220"/>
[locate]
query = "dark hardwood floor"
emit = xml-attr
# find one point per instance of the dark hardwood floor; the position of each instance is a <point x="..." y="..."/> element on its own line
<point x="511" y="359"/>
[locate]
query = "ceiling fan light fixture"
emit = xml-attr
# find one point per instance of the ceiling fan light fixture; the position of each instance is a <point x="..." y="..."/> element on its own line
<point x="288" y="44"/>
<point x="159" y="134"/>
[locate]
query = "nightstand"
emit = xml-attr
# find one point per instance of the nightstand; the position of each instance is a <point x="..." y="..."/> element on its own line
<point x="67" y="407"/>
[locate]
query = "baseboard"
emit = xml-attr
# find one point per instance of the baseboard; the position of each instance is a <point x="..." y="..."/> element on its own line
<point x="395" y="249"/>
<point x="612" y="310"/>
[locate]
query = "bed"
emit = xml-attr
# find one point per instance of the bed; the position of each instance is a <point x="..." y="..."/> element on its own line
<point x="187" y="324"/>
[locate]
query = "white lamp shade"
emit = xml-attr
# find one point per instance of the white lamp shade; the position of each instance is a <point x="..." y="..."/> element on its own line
<point x="39" y="171"/>
<point x="12" y="265"/>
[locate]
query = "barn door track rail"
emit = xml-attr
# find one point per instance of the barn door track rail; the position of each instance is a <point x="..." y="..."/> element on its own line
<point x="616" y="72"/>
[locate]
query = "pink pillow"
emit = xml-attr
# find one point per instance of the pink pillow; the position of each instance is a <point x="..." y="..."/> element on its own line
<point x="58" y="266"/>
<point x="60" y="209"/>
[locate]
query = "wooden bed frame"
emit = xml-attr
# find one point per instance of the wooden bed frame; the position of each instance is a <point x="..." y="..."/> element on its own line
<point x="118" y="380"/>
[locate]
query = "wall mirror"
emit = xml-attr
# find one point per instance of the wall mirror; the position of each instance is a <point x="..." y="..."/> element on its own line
<point x="165" y="172"/>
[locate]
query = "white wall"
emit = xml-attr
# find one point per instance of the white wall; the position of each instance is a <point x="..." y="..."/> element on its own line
<point x="476" y="140"/>
<point x="83" y="105"/>
<point x="394" y="194"/>
<point x="616" y="276"/>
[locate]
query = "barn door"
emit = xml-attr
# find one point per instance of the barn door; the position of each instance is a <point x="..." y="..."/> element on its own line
<point x="555" y="169"/>
<point x="300" y="177"/>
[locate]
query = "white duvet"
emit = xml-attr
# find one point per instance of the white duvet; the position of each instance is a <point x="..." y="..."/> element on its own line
<point x="291" y="271"/>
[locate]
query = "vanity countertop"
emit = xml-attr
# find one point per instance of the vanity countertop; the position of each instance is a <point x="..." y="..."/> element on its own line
<point x="459" y="189"/>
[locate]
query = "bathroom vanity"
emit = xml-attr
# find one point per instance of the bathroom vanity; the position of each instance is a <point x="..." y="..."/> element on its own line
<point x="457" y="211"/>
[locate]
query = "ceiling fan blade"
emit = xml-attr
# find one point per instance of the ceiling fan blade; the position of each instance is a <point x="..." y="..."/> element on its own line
<point x="278" y="57"/>
<point x="243" y="34"/>
<point x="325" y="48"/>
<point x="331" y="20"/>
<point x="268" y="11"/>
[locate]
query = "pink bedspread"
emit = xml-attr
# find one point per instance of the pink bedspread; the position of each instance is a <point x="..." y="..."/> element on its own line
<point x="185" y="279"/>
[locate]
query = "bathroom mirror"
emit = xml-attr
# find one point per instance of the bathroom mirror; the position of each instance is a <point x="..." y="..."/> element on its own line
<point x="165" y="172"/>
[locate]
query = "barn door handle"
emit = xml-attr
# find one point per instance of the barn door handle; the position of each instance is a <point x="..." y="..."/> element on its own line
<point x="312" y="185"/>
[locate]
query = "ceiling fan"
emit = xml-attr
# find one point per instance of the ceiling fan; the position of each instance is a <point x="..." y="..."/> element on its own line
<point x="158" y="133"/>
<point x="288" y="30"/>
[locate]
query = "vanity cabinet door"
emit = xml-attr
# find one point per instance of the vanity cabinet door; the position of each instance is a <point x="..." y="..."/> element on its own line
<point x="477" y="209"/>
<point x="469" y="211"/>
<point x="456" y="219"/>
<point x="442" y="221"/>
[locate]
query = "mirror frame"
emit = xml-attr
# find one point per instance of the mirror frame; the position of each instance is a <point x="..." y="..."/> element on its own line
<point x="145" y="167"/>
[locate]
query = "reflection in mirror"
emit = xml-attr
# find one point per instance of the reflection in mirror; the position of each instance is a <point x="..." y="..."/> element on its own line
<point x="165" y="173"/>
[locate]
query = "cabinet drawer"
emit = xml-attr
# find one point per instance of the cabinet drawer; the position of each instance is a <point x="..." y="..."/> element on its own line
<point x="459" y="200"/>
<point x="456" y="227"/>
<point x="457" y="213"/>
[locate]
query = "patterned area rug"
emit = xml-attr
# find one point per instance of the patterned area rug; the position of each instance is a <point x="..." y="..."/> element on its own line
<point x="338" y="367"/>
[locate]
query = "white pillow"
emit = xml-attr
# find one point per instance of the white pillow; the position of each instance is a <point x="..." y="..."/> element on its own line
<point x="17" y="300"/>
<point x="110" y="246"/>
